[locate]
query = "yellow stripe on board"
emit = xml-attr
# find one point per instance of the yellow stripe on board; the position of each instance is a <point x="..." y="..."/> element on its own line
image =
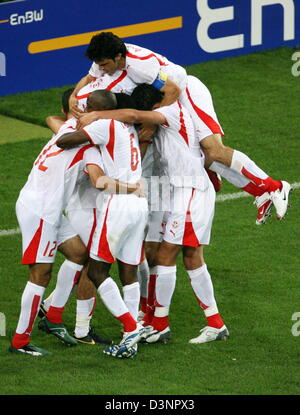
<point x="4" y="21"/>
<point x="123" y="31"/>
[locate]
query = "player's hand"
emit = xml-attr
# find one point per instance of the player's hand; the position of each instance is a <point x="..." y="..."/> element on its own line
<point x="147" y="131"/>
<point x="73" y="106"/>
<point x="86" y="118"/>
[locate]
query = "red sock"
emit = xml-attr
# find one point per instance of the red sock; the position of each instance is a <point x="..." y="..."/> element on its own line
<point x="143" y="303"/>
<point x="215" y="321"/>
<point x="20" y="340"/>
<point x="54" y="314"/>
<point x="267" y="185"/>
<point x="128" y="322"/>
<point x="150" y="300"/>
<point x="160" y="323"/>
<point x="253" y="190"/>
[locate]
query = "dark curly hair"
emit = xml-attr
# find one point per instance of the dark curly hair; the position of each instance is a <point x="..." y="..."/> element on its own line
<point x="105" y="45"/>
<point x="145" y="96"/>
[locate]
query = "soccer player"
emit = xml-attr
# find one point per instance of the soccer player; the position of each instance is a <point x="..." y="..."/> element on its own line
<point x="188" y="224"/>
<point x="109" y="53"/>
<point x="120" y="229"/>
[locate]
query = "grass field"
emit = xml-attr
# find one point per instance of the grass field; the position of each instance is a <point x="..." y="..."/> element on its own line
<point x="255" y="269"/>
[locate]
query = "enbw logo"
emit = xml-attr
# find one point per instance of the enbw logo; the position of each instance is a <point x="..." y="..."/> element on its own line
<point x="2" y="64"/>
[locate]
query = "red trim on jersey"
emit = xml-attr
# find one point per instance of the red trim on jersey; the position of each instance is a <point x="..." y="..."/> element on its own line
<point x="79" y="155"/>
<point x="92" y="230"/>
<point x="110" y="146"/>
<point x="103" y="248"/>
<point x="189" y="236"/>
<point x="207" y="119"/>
<point x="84" y="95"/>
<point x="114" y="83"/>
<point x="142" y="58"/>
<point x="30" y="254"/>
<point x="182" y="130"/>
<point x="89" y="137"/>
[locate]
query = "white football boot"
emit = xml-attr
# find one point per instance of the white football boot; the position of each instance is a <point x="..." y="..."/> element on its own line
<point x="155" y="336"/>
<point x="209" y="334"/>
<point x="264" y="204"/>
<point x="280" y="199"/>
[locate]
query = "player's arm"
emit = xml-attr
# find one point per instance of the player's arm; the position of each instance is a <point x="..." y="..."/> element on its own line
<point x="70" y="140"/>
<point x="171" y="93"/>
<point x="102" y="182"/>
<point x="130" y="116"/>
<point x="54" y="122"/>
<point x="72" y="100"/>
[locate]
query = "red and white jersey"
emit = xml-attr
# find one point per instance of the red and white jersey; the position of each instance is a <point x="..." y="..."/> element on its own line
<point x="143" y="66"/>
<point x="55" y="174"/>
<point x="181" y="157"/>
<point x="119" y="148"/>
<point x="118" y="82"/>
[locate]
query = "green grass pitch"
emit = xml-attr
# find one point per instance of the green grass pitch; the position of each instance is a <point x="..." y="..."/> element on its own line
<point x="255" y="270"/>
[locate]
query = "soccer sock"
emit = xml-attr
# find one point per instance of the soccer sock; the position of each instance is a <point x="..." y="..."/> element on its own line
<point x="30" y="303"/>
<point x="204" y="291"/>
<point x="47" y="301"/>
<point x="232" y="176"/>
<point x="143" y="277"/>
<point x="84" y="312"/>
<point x="150" y="297"/>
<point x="67" y="275"/>
<point x="131" y="296"/>
<point x="111" y="297"/>
<point x="244" y="165"/>
<point x="164" y="289"/>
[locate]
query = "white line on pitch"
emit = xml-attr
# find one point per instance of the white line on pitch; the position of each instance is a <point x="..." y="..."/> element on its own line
<point x="220" y="198"/>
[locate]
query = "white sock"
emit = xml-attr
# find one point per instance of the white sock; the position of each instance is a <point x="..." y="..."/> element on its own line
<point x="47" y="301"/>
<point x="111" y="297"/>
<point x="241" y="160"/>
<point x="131" y="296"/>
<point x="66" y="277"/>
<point x="143" y="277"/>
<point x="84" y="312"/>
<point x="164" y="289"/>
<point x="203" y="288"/>
<point x="30" y="304"/>
<point x="232" y="176"/>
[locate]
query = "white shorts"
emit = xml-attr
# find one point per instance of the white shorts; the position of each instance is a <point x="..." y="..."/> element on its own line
<point x="120" y="230"/>
<point x="190" y="221"/>
<point x="40" y="239"/>
<point x="84" y="221"/>
<point x="197" y="99"/>
<point x="156" y="226"/>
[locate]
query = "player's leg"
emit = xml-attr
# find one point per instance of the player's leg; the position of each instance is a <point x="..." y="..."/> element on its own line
<point x="143" y="279"/>
<point x="85" y="305"/>
<point x="37" y="235"/>
<point x="197" y="99"/>
<point x="201" y="283"/>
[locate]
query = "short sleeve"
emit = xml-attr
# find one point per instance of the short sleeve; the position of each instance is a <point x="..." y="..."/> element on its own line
<point x="98" y="132"/>
<point x="142" y="71"/>
<point x="170" y="115"/>
<point x="95" y="71"/>
<point x="93" y="156"/>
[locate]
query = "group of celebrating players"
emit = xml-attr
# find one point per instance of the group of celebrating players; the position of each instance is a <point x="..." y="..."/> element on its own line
<point x="134" y="117"/>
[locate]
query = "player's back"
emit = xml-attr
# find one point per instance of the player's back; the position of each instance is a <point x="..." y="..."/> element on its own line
<point x="53" y="177"/>
<point x="119" y="148"/>
<point x="181" y="157"/>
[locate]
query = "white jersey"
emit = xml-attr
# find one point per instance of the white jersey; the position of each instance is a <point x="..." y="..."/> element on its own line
<point x="119" y="147"/>
<point x="118" y="82"/>
<point x="144" y="66"/>
<point x="54" y="176"/>
<point x="181" y="157"/>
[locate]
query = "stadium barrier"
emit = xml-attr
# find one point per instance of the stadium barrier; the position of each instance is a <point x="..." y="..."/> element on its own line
<point x="42" y="43"/>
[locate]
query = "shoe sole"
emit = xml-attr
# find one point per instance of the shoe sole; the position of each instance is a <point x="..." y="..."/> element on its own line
<point x="267" y="214"/>
<point x="290" y="189"/>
